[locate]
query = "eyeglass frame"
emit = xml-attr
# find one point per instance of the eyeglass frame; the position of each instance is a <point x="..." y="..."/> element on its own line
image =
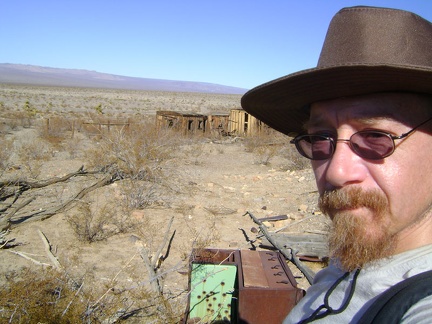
<point x="334" y="141"/>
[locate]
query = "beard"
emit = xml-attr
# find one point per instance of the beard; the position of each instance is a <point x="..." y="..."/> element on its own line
<point x="354" y="240"/>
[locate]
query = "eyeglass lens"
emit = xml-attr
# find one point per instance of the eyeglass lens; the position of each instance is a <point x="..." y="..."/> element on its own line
<point x="373" y="145"/>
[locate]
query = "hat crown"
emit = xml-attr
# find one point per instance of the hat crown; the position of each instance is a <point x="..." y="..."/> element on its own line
<point x="369" y="35"/>
<point x="366" y="50"/>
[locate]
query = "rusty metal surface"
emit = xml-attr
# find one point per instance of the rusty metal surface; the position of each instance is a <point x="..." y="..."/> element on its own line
<point x="271" y="304"/>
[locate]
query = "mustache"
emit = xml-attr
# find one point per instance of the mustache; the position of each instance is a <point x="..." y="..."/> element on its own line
<point x="351" y="198"/>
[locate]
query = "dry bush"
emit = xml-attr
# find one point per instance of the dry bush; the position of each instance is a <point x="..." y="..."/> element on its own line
<point x="202" y="235"/>
<point x="49" y="296"/>
<point x="193" y="151"/>
<point x="138" y="194"/>
<point x="5" y="153"/>
<point x="264" y="146"/>
<point x="31" y="152"/>
<point x="30" y="113"/>
<point x="40" y="299"/>
<point x="56" y="129"/>
<point x="144" y="156"/>
<point x="16" y="119"/>
<point x="92" y="226"/>
<point x="296" y="161"/>
<point x="138" y="151"/>
<point x="138" y="300"/>
<point x="73" y="146"/>
<point x="269" y="144"/>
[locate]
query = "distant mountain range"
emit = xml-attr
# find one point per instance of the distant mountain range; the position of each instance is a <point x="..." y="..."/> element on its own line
<point x="47" y="76"/>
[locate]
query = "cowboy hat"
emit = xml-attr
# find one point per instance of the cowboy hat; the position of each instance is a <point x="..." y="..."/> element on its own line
<point x="366" y="50"/>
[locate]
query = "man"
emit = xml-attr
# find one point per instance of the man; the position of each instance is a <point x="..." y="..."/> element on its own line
<point x="363" y="117"/>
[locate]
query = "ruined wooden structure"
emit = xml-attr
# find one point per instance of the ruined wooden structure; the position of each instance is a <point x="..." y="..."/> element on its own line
<point x="243" y="124"/>
<point x="218" y="123"/>
<point x="185" y="122"/>
<point x="238" y="122"/>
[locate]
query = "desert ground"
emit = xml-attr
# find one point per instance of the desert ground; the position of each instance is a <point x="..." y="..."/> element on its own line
<point x="103" y="223"/>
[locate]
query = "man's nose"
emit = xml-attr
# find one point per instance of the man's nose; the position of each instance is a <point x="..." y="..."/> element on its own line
<point x="345" y="167"/>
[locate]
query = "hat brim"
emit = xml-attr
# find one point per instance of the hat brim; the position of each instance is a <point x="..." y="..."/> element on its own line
<point x="282" y="103"/>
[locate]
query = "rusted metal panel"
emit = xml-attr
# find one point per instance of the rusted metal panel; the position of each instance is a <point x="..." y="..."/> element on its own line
<point x="270" y="304"/>
<point x="253" y="272"/>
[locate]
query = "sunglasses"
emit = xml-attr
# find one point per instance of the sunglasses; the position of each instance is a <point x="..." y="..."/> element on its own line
<point x="368" y="144"/>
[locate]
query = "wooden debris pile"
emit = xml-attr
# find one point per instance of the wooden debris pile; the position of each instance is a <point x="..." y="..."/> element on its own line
<point x="294" y="247"/>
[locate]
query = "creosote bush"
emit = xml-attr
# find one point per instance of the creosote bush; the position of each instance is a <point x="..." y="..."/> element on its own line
<point x="49" y="296"/>
<point x="144" y="157"/>
<point x="269" y="144"/>
<point x="92" y="226"/>
<point x="265" y="146"/>
<point x="56" y="129"/>
<point x="41" y="298"/>
<point x="5" y="153"/>
<point x="296" y="161"/>
<point x="30" y="153"/>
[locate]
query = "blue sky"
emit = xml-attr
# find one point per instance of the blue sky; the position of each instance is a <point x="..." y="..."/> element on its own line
<point x="231" y="42"/>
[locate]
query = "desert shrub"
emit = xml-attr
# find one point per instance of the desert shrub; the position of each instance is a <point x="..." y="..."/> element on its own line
<point x="73" y="146"/>
<point x="99" y="109"/>
<point x="5" y="153"/>
<point x="92" y="226"/>
<point x="193" y="151"/>
<point x="138" y="194"/>
<point x="269" y="144"/>
<point x="16" y="119"/>
<point x="31" y="152"/>
<point x="48" y="296"/>
<point x="143" y="155"/>
<point x="55" y="129"/>
<point x="31" y="147"/>
<point x="264" y="146"/>
<point x="30" y="113"/>
<point x="295" y="160"/>
<point x="29" y="297"/>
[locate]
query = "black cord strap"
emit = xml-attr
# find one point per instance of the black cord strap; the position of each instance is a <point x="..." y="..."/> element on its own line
<point x="328" y="310"/>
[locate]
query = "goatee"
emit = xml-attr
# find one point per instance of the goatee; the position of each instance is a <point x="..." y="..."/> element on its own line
<point x="354" y="240"/>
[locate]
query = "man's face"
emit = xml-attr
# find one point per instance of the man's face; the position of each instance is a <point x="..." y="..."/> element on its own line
<point x="378" y="207"/>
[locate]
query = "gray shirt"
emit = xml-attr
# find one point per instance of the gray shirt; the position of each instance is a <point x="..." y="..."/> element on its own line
<point x="373" y="280"/>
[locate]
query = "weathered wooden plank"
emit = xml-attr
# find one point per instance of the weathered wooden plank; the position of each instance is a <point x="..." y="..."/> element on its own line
<point x="312" y="245"/>
<point x="273" y="218"/>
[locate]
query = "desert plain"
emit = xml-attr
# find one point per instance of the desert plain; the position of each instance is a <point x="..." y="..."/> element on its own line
<point x="102" y="222"/>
